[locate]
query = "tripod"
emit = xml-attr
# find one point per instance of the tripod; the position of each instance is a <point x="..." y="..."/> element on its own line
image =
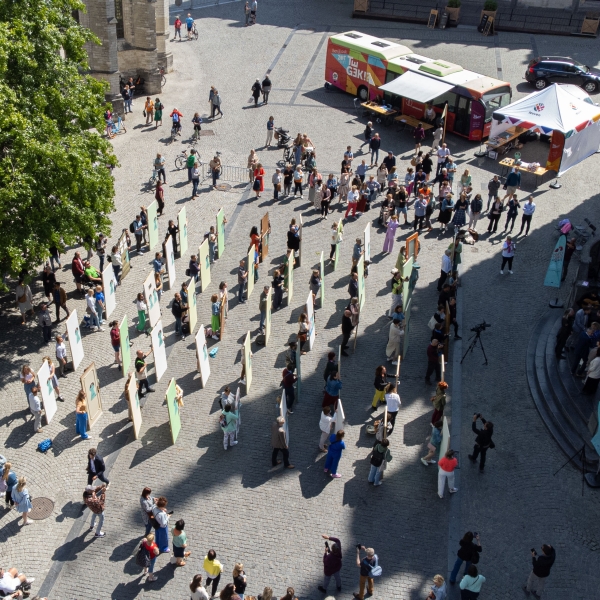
<point x="476" y="337"/>
<point x="581" y="455"/>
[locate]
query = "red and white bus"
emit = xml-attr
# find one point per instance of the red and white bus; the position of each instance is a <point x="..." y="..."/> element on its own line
<point x="377" y="69"/>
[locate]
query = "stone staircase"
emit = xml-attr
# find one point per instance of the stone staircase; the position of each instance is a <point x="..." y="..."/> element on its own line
<point x="557" y="394"/>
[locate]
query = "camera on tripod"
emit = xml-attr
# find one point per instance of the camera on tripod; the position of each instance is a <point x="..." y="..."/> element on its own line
<point x="481" y="327"/>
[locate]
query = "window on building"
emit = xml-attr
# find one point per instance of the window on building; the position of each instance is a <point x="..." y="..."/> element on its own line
<point x="119" y="17"/>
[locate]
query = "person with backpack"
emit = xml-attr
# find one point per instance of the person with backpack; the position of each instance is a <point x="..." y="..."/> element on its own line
<point x="228" y="423"/>
<point x="379" y="457"/>
<point x="146" y="556"/>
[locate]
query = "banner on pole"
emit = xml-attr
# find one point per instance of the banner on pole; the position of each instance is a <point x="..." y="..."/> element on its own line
<point x="74" y="339"/>
<point x="91" y="389"/>
<point x="361" y="281"/>
<point x="202" y="356"/>
<point x="133" y="399"/>
<point x="204" y="262"/>
<point x="192" y="306"/>
<point x="109" y="283"/>
<point x="250" y="266"/>
<point x="340" y="416"/>
<point x="221" y="232"/>
<point x="125" y="347"/>
<point x="152" y="300"/>
<point x="125" y="258"/>
<point x="322" y="267"/>
<point x="173" y="408"/>
<point x="554" y="273"/>
<point x="247" y="357"/>
<point x="368" y="243"/>
<point x="288" y="279"/>
<point x="159" y="350"/>
<point x="340" y="231"/>
<point x="152" y="225"/>
<point x="183" y="231"/>
<point x="265" y="231"/>
<point x="47" y="391"/>
<point x="310" y="313"/>
<point x="170" y="261"/>
<point x="268" y="317"/>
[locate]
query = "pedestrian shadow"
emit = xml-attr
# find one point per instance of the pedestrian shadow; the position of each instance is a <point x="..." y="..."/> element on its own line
<point x="71" y="510"/>
<point x="154" y="440"/>
<point x="123" y="552"/>
<point x="20" y="435"/>
<point x="68" y="551"/>
<point x="313" y="480"/>
<point x="335" y="318"/>
<point x="417" y="430"/>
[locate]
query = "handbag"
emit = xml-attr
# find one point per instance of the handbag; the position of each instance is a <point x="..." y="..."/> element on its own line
<point x="376" y="570"/>
<point x="432" y="323"/>
<point x="302" y="337"/>
<point x="142" y="558"/>
<point x="144" y="112"/>
<point x="22" y="298"/>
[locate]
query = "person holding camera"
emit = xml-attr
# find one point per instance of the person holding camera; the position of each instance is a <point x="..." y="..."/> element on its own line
<point x="469" y="550"/>
<point x="541" y="569"/>
<point x="369" y="568"/>
<point x="483" y="441"/>
<point x="332" y="563"/>
<point x="94" y="498"/>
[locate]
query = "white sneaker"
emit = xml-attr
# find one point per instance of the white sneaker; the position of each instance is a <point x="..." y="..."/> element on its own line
<point x="510" y="271"/>
<point x="394" y="362"/>
<point x="30" y="580"/>
<point x="501" y="272"/>
<point x="100" y="328"/>
<point x="233" y="443"/>
<point x="453" y="490"/>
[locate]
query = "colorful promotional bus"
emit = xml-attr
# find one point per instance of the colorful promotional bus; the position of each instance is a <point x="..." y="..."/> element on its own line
<point x="379" y="70"/>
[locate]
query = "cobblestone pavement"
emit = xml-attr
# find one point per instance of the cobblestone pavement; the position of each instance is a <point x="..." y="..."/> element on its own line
<point x="232" y="501"/>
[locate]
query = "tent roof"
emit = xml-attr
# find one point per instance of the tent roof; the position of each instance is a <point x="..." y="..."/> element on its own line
<point x="420" y="88"/>
<point x="557" y="107"/>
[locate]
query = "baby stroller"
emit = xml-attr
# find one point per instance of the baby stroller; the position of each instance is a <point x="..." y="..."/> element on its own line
<point x="282" y="137"/>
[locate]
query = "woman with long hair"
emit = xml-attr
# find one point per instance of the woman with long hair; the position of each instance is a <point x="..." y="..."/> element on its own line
<point x="197" y="589"/>
<point x="303" y="331"/>
<point x="10" y="481"/>
<point x="28" y="380"/>
<point x="239" y="580"/>
<point x="380" y="384"/>
<point x="20" y="496"/>
<point x="81" y="416"/>
<point x="162" y="533"/>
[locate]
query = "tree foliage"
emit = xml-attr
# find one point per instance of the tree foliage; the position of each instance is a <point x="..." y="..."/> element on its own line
<point x="54" y="180"/>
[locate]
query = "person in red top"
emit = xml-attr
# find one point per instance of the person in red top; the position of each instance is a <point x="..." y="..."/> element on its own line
<point x="150" y="546"/>
<point x="255" y="239"/>
<point x="177" y="28"/>
<point x="115" y="340"/>
<point x="176" y="116"/>
<point x="447" y="464"/>
<point x="77" y="270"/>
<point x="259" y="185"/>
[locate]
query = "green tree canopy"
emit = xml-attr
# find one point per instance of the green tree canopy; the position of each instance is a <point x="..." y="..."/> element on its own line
<point x="54" y="180"/>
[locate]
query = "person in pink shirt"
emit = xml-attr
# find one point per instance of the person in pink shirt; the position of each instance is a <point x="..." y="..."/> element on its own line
<point x="446" y="465"/>
<point x="388" y="243"/>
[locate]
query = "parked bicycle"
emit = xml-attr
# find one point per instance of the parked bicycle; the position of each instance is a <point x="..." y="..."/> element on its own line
<point x="181" y="159"/>
<point x="116" y="128"/>
<point x="153" y="178"/>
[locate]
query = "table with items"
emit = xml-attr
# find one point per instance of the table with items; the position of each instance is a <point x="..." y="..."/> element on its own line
<point x="409" y="121"/>
<point x="535" y="168"/>
<point x="381" y="110"/>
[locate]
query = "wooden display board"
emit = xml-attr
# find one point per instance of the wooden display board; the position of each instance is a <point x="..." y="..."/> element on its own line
<point x="265" y="230"/>
<point x="91" y="389"/>
<point x="133" y="401"/>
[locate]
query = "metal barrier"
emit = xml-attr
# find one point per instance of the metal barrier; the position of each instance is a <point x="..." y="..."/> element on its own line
<point x="228" y="173"/>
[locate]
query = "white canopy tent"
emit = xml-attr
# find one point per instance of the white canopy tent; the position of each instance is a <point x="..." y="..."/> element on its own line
<point x="563" y="111"/>
<point x="419" y="88"/>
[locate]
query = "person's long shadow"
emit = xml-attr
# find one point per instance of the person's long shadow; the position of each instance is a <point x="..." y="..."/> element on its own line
<point x="313" y="480"/>
<point x="155" y="440"/>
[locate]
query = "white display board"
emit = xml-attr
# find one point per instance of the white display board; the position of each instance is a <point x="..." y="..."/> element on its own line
<point x="340" y="416"/>
<point x="109" y="283"/>
<point x="134" y="405"/>
<point x="152" y="300"/>
<point x="159" y="349"/>
<point x="368" y="242"/>
<point x="74" y="339"/>
<point x="237" y="405"/>
<point x="283" y="409"/>
<point x="170" y="261"/>
<point x="310" y="313"/>
<point x="47" y="391"/>
<point x="202" y="356"/>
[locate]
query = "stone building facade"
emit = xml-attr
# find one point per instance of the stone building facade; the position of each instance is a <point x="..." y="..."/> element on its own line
<point x="133" y="36"/>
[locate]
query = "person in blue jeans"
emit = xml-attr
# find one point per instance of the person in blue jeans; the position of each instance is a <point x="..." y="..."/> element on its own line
<point x="334" y="453"/>
<point x="380" y="456"/>
<point x="242" y="280"/>
<point x="466" y="553"/>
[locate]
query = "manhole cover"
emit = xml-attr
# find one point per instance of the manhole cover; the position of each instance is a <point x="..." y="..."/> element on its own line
<point x="204" y="132"/>
<point x="42" y="508"/>
<point x="223" y="187"/>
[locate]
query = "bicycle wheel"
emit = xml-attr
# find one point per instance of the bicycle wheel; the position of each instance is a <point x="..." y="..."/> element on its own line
<point x="180" y="162"/>
<point x="163" y="81"/>
<point x="195" y="34"/>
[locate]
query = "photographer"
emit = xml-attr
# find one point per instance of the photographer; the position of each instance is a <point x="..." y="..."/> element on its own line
<point x="541" y="569"/>
<point x="483" y="441"/>
<point x="332" y="563"/>
<point x="94" y="498"/>
<point x="469" y="550"/>
<point x="369" y="568"/>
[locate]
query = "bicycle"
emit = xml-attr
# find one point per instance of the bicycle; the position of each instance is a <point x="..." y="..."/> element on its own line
<point x="116" y="128"/>
<point x="181" y="160"/>
<point x="195" y="32"/>
<point x="154" y="177"/>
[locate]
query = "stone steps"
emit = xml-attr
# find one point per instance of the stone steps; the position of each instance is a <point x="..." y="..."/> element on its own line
<point x="556" y="394"/>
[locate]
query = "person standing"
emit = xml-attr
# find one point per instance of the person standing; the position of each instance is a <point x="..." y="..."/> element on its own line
<point x="369" y="568"/>
<point x="542" y="564"/>
<point x="331" y="395"/>
<point x="528" y="210"/>
<point x="21" y="499"/>
<point x="149" y="110"/>
<point x="263" y="306"/>
<point x="177" y="28"/>
<point x="439" y="402"/>
<point x="159" y="512"/>
<point x="24" y="299"/>
<point x="493" y="188"/>
<point x="150" y="547"/>
<point x="253" y="9"/>
<point x="228" y="421"/>
<point x="446" y="465"/>
<point x="439" y="589"/>
<point x="141" y="373"/>
<point x="374" y="146"/>
<point x="570" y="248"/>
<point x="48" y="280"/>
<point x="393" y="402"/>
<point x="336" y="238"/>
<point x="94" y="498"/>
<point x="347" y="328"/>
<point x="35" y="406"/>
<point x="288" y="379"/>
<point x="388" y="244"/>
<point x="325" y="425"/>
<point x="96" y="467"/>
<point x="368" y="133"/>
<point x="395" y="337"/>
<point x="179" y="544"/>
<point x="213" y="569"/>
<point x="247" y="13"/>
<point x="380" y="384"/>
<point x="158" y="112"/>
<point x="513" y="183"/>
<point x="494" y="215"/>
<point x="61" y="355"/>
<point x="81" y="416"/>
<point x="419" y="136"/>
<point x="45" y="321"/>
<point x="446" y="269"/>
<point x="380" y="456"/>
<point x="433" y="444"/>
<point x="217" y="103"/>
<point x="256" y="91"/>
<point x="198" y="591"/>
<point x="508" y="253"/>
<point x="513" y="211"/>
<point x="147" y="504"/>
<point x="476" y="208"/>
<point x="483" y="441"/>
<point x="266" y="90"/>
<point x="470" y="584"/>
<point x="10" y="480"/>
<point x="334" y="453"/>
<point x="332" y="563"/>
<point x="470" y="546"/>
<point x="352" y="198"/>
<point x="279" y="444"/>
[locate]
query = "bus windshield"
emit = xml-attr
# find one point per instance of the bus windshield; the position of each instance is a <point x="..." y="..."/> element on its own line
<point x="495" y="100"/>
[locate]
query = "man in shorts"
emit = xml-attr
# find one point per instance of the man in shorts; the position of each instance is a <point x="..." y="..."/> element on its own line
<point x="189" y="23"/>
<point x="10" y="580"/>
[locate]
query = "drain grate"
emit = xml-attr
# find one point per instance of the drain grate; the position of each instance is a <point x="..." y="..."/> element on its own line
<point x="223" y="187"/>
<point x="42" y="508"/>
<point x="205" y="132"/>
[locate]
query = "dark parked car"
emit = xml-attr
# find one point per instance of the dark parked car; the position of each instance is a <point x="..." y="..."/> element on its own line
<point x="545" y="70"/>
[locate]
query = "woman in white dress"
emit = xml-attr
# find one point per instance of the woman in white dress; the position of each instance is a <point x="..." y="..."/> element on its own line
<point x="24" y="299"/>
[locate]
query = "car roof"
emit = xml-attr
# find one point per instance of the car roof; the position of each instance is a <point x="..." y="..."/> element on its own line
<point x="564" y="59"/>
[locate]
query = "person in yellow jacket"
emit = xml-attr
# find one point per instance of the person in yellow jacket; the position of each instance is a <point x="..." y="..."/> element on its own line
<point x="213" y="570"/>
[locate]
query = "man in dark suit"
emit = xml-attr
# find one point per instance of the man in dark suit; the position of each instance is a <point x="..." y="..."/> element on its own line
<point x="347" y="328"/>
<point x="96" y="467"/>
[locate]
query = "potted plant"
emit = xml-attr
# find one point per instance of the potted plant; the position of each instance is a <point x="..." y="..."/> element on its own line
<point x="453" y="11"/>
